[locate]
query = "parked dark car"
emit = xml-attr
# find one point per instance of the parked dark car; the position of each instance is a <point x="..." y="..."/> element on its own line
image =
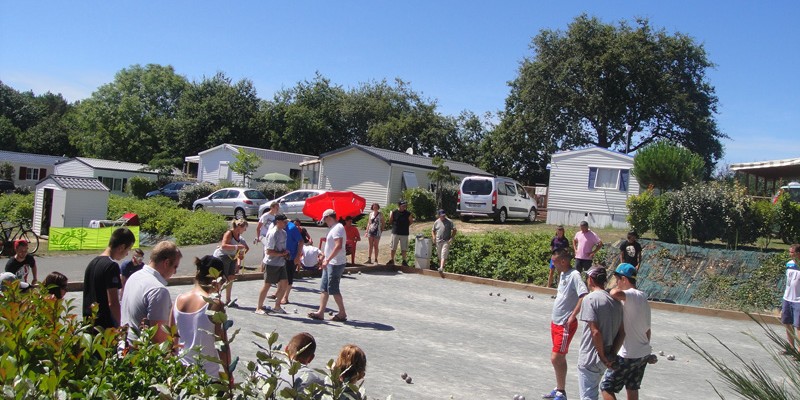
<point x="6" y="186"/>
<point x="170" y="190"/>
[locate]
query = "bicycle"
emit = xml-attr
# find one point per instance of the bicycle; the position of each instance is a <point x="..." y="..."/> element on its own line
<point x="16" y="231"/>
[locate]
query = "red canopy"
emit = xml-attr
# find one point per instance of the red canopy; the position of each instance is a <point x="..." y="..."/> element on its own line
<point x="345" y="204"/>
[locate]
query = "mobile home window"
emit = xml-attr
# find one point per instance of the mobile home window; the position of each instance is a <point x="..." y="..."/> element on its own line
<point x="608" y="178"/>
<point x="32" y="174"/>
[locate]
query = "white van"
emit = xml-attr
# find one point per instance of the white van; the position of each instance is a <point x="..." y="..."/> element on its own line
<point x="498" y="197"/>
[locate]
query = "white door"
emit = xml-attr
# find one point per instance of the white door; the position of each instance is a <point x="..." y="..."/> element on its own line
<point x="224" y="172"/>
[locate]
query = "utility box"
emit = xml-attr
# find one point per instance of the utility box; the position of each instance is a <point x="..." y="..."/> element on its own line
<point x="422" y="252"/>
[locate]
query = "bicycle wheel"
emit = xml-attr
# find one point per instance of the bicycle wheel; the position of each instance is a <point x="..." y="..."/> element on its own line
<point x="32" y="239"/>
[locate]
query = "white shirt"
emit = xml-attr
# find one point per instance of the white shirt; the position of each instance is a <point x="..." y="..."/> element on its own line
<point x="636" y="320"/>
<point x="336" y="232"/>
<point x="145" y="296"/>
<point x="792" y="292"/>
<point x="310" y="255"/>
<point x="266" y="221"/>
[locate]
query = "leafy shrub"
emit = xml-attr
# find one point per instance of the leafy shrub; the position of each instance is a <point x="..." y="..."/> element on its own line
<point x="667" y="166"/>
<point x="16" y="207"/>
<point x="421" y="203"/>
<point x="449" y="195"/>
<point x="189" y="194"/>
<point x="225" y="183"/>
<point x="665" y="220"/>
<point x="138" y="186"/>
<point x="787" y="217"/>
<point x="640" y="211"/>
<point x="273" y="190"/>
<point x="200" y="227"/>
<point x="157" y="215"/>
<point x="7" y="171"/>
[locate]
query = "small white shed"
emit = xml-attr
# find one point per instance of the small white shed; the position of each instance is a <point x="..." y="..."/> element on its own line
<point x="590" y="184"/>
<point x="68" y="201"/>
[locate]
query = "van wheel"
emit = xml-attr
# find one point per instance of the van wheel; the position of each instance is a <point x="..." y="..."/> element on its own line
<point x="465" y="218"/>
<point x="501" y="216"/>
<point x="532" y="215"/>
<point x="239" y="214"/>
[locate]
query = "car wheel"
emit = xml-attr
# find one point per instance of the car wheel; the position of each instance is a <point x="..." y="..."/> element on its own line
<point x="465" y="218"/>
<point x="239" y="214"/>
<point x="532" y="215"/>
<point x="501" y="216"/>
<point x="198" y="208"/>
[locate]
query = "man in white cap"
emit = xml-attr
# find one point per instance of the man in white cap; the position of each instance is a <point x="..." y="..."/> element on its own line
<point x="332" y="268"/>
<point x="7" y="278"/>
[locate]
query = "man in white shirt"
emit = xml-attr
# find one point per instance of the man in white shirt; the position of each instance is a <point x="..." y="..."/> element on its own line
<point x="634" y="355"/>
<point x="146" y="301"/>
<point x="790" y="307"/>
<point x="332" y="268"/>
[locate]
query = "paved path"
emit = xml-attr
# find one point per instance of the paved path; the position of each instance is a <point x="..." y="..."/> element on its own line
<point x="455" y="340"/>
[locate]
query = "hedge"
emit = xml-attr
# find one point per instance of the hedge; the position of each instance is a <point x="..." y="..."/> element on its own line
<point x="16" y="207"/>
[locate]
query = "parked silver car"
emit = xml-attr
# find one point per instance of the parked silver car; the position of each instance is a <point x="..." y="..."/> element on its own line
<point x="238" y="202"/>
<point x="291" y="204"/>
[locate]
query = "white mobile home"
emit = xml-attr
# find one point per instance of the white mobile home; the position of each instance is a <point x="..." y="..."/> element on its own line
<point x="68" y="201"/>
<point x="29" y="168"/>
<point x="113" y="174"/>
<point x="591" y="184"/>
<point x="213" y="164"/>
<point x="380" y="175"/>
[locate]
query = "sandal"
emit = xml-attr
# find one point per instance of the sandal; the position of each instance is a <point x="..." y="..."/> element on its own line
<point x="339" y="318"/>
<point x="271" y="297"/>
<point x="316" y="316"/>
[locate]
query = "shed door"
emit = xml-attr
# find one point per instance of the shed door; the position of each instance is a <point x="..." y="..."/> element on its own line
<point x="47" y="211"/>
<point x="224" y="171"/>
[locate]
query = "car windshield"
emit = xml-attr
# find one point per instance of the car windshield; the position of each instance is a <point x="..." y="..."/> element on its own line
<point x="254" y="194"/>
<point x="477" y="186"/>
<point x="794" y="193"/>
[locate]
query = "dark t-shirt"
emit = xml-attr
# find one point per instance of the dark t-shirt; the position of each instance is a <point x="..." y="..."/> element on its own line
<point x="102" y="274"/>
<point x="20" y="269"/>
<point x="559" y="243"/>
<point x="401" y="220"/>
<point x="128" y="268"/>
<point x="630" y="252"/>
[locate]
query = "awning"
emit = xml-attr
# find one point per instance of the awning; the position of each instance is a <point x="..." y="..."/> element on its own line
<point x="775" y="169"/>
<point x="410" y="180"/>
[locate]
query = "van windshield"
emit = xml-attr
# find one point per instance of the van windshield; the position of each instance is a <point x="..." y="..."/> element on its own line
<point x="479" y="187"/>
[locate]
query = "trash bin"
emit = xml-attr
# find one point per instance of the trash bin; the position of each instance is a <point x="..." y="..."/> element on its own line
<point x="422" y="252"/>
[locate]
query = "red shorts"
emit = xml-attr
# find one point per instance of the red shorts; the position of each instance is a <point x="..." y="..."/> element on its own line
<point x="562" y="337"/>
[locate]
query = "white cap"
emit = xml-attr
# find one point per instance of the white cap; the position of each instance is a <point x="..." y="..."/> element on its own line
<point x="329" y="212"/>
<point x="10" y="277"/>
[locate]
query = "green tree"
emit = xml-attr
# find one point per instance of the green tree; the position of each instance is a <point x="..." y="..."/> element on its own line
<point x="6" y="171"/>
<point x="132" y="118"/>
<point x="586" y="86"/>
<point x="666" y="166"/>
<point x="245" y="165"/>
<point x="440" y="177"/>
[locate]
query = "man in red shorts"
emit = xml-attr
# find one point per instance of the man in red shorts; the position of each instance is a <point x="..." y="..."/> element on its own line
<point x="571" y="289"/>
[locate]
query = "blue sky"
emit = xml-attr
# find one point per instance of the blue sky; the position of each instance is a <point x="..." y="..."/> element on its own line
<point x="461" y="53"/>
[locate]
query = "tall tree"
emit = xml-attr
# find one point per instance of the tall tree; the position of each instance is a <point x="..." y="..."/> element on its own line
<point x="587" y="85"/>
<point x="246" y="164"/>
<point x="132" y="118"/>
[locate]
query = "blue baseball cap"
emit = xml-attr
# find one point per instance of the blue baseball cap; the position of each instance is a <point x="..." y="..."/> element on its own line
<point x="626" y="270"/>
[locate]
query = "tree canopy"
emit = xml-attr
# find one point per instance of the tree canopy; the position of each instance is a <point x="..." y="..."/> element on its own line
<point x="666" y="166"/>
<point x="589" y="85"/>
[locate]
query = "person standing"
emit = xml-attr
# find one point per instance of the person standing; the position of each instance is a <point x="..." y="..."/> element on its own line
<point x="332" y="268"/>
<point x="443" y="232"/>
<point x="790" y="307"/>
<point x="630" y="251"/>
<point x="147" y="302"/>
<point x="400" y="220"/>
<point x="559" y="241"/>
<point x="634" y="355"/>
<point x="373" y="231"/>
<point x="586" y="244"/>
<point x="101" y="280"/>
<point x="22" y="263"/>
<point x="294" y="244"/>
<point x="231" y="251"/>
<point x="274" y="265"/>
<point x="564" y="321"/>
<point x="602" y="334"/>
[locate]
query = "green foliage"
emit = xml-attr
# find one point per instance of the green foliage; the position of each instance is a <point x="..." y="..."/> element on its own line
<point x="200" y="227"/>
<point x="641" y="208"/>
<point x="138" y="186"/>
<point x="666" y="166"/>
<point x="449" y="197"/>
<point x="755" y="292"/>
<point x="582" y="85"/>
<point x="421" y="203"/>
<point x="787" y="216"/>
<point x="246" y="165"/>
<point x="440" y="177"/>
<point x="16" y="207"/>
<point x="189" y="194"/>
<point x="7" y="171"/>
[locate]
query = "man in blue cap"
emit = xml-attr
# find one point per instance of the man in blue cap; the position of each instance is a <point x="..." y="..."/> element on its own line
<point x="634" y="355"/>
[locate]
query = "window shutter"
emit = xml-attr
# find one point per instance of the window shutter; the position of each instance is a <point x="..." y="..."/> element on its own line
<point x="592" y="176"/>
<point x="22" y="172"/>
<point x="623" y="180"/>
<point x="42" y="173"/>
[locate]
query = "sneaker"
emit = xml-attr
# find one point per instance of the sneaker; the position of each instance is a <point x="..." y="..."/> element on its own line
<point x="276" y="310"/>
<point x="369" y="261"/>
<point x="390" y="263"/>
<point x="441" y="270"/>
<point x="260" y="312"/>
<point x="405" y="263"/>
<point x="555" y="394"/>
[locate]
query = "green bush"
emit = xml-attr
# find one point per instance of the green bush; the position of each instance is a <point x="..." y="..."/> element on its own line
<point x="189" y="194"/>
<point x="666" y="166"/>
<point x="450" y="199"/>
<point x="640" y="211"/>
<point x="161" y="216"/>
<point x="138" y="186"/>
<point x="200" y="227"/>
<point x="787" y="217"/>
<point x="665" y="221"/>
<point x="16" y="207"/>
<point x="421" y="203"/>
